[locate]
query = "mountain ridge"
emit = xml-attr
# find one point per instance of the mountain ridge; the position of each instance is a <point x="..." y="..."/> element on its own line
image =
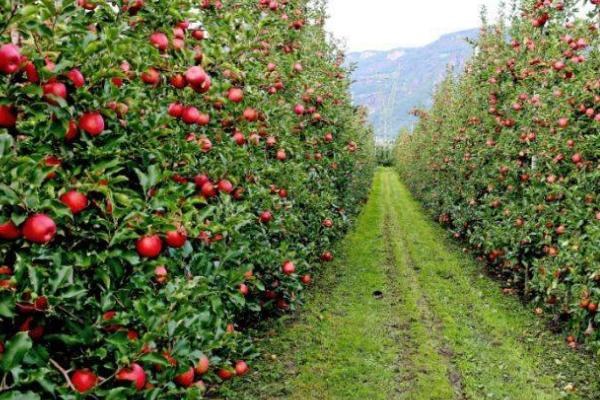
<point x="390" y="83"/>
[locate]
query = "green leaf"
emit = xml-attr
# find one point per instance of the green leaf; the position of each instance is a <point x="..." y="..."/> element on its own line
<point x="16" y="348"/>
<point x="6" y="143"/>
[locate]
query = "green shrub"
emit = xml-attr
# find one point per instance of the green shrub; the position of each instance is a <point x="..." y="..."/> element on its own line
<point x="147" y="212"/>
<point x="507" y="158"/>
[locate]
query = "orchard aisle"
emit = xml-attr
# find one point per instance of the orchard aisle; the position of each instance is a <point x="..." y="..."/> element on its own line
<point x="405" y="315"/>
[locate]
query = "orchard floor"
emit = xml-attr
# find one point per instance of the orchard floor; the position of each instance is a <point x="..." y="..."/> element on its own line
<point x="404" y="314"/>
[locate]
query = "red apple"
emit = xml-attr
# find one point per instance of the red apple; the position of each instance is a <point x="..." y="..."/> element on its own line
<point x="327" y="256"/>
<point x="10" y="59"/>
<point x="225" y="186"/>
<point x="76" y="201"/>
<point x="160" y="274"/>
<point x="178" y="81"/>
<point x="196" y="76"/>
<point x="176" y="239"/>
<point x="149" y="246"/>
<point x="175" y="110"/>
<point x="266" y="217"/>
<point x="9" y="231"/>
<point x="83" y="380"/>
<point x="72" y="131"/>
<point x="241" y="368"/>
<point x="306" y="279"/>
<point x="202" y="366"/>
<point x="151" y="76"/>
<point x="92" y="123"/>
<point x="39" y="228"/>
<point x="8" y="116"/>
<point x="54" y="89"/>
<point x="135" y="373"/>
<point x="76" y="77"/>
<point x="225" y="374"/>
<point x="185" y="379"/>
<point x="208" y="190"/>
<point x="288" y="268"/>
<point x="235" y="95"/>
<point x="160" y="41"/>
<point x="200" y="180"/>
<point x="190" y="115"/>
<point x="250" y="114"/>
<point x="243" y="288"/>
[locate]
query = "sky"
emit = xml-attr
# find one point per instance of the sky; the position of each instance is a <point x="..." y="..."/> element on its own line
<point x="387" y="24"/>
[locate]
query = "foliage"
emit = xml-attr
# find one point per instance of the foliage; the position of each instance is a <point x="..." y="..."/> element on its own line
<point x="507" y="158"/>
<point x="91" y="295"/>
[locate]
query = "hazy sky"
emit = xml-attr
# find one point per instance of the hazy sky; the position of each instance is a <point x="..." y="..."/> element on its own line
<point x="386" y="24"/>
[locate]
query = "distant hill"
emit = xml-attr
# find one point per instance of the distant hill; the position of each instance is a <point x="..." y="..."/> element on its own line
<point x="391" y="83"/>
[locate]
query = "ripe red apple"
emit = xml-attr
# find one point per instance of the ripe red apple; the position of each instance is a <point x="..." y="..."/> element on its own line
<point x="306" y="279"/>
<point x="92" y="123"/>
<point x="72" y="131"/>
<point x="54" y="89"/>
<point x="203" y="365"/>
<point x="327" y="256"/>
<point x="151" y="76"/>
<point x="185" y="379"/>
<point x="250" y="114"/>
<point x="76" y="77"/>
<point x="178" y="81"/>
<point x="8" y="116"/>
<point x="9" y="231"/>
<point x="225" y="374"/>
<point x="243" y="288"/>
<point x="288" y="268"/>
<point x="175" y="110"/>
<point x="203" y="119"/>
<point x="190" y="115"/>
<point x="281" y="155"/>
<point x="76" y="201"/>
<point x="225" y="186"/>
<point x="176" y="239"/>
<point x="576" y="158"/>
<point x="235" y="95"/>
<point x="196" y="76"/>
<point x="327" y="223"/>
<point x="200" y="180"/>
<point x="10" y="59"/>
<point x="160" y="274"/>
<point x="135" y="373"/>
<point x="160" y="41"/>
<point x="266" y="217"/>
<point x="149" y="246"/>
<point x="205" y="145"/>
<point x="299" y="109"/>
<point x="39" y="228"/>
<point x="563" y="122"/>
<point x="328" y="138"/>
<point x="198" y="34"/>
<point x="239" y="138"/>
<point x="241" y="368"/>
<point x="208" y="190"/>
<point x="31" y="72"/>
<point x="83" y="380"/>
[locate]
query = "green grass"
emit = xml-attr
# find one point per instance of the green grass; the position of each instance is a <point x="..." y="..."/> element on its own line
<point x="442" y="330"/>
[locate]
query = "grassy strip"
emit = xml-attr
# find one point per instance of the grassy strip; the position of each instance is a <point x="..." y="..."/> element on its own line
<point x="499" y="348"/>
<point x="441" y="330"/>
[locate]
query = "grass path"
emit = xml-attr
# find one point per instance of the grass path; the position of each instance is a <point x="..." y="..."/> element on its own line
<point x="404" y="315"/>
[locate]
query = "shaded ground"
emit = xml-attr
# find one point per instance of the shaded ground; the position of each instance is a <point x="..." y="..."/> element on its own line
<point x="405" y="315"/>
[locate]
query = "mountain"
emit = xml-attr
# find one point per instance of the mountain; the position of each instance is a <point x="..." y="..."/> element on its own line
<point x="391" y="83"/>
